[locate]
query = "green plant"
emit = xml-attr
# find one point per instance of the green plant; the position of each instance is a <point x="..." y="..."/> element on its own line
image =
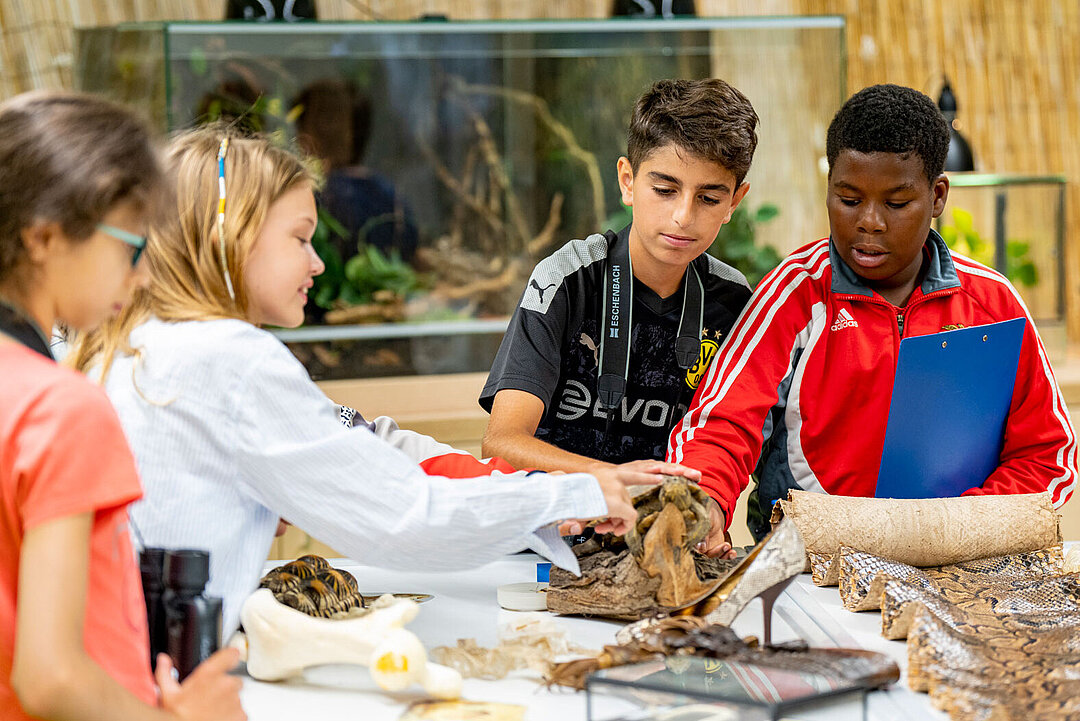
<point x="328" y="285"/>
<point x="735" y="245"/>
<point x="965" y="240"/>
<point x="370" y="271"/>
<point x="356" y="280"/>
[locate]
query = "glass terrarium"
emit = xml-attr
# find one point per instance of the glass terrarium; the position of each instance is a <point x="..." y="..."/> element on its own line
<point x="458" y="154"/>
<point x="689" y="688"/>
<point x="1015" y="224"/>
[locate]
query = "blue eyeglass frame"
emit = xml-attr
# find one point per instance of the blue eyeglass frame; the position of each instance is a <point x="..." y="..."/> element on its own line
<point x="138" y="242"/>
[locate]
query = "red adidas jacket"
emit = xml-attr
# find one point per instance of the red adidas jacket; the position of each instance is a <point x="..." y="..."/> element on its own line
<point x="799" y="392"/>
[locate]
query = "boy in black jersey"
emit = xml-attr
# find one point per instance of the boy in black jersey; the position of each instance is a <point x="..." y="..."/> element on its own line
<point x="613" y="333"/>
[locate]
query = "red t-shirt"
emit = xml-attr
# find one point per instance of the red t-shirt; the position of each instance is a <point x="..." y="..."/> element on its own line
<point x="62" y="453"/>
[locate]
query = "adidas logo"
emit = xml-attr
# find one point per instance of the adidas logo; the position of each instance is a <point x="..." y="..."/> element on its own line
<point x="844" y="320"/>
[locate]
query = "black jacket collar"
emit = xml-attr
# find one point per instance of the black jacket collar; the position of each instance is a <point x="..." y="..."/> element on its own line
<point x="16" y="324"/>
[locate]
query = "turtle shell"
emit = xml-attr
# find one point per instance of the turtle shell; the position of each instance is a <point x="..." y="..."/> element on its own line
<point x="311" y="585"/>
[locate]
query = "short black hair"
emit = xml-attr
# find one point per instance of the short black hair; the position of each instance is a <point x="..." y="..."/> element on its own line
<point x="707" y="118"/>
<point x="890" y="119"/>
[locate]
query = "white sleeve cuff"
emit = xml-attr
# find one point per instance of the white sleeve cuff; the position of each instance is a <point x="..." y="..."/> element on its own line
<point x="548" y="543"/>
<point x="583" y="499"/>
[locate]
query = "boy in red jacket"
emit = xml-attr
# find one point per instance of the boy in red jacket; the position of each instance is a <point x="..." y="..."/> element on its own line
<point x="799" y="393"/>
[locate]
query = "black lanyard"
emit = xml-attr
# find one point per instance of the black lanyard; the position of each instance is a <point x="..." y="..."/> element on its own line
<point x="616" y="324"/>
<point x="18" y="325"/>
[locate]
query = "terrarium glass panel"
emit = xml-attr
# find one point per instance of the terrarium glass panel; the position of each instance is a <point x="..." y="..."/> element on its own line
<point x="459" y="154"/>
<point x="1016" y="225"/>
<point x="690" y="688"/>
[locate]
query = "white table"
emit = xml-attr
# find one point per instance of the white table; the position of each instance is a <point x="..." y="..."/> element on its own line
<point x="465" y="607"/>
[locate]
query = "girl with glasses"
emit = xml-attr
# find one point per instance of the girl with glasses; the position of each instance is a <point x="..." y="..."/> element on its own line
<point x="78" y="177"/>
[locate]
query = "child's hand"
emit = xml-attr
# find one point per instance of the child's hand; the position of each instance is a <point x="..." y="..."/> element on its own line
<point x="718" y="542"/>
<point x="648" y="473"/>
<point x="621" y="513"/>
<point x="614" y="481"/>
<point x="208" y="693"/>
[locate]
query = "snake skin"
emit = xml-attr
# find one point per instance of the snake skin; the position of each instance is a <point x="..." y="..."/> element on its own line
<point x="987" y="608"/>
<point x="993" y="639"/>
<point x="862" y="576"/>
<point x="778" y="558"/>
<point x="781" y="557"/>
<point x="820" y="565"/>
<point x="1029" y="676"/>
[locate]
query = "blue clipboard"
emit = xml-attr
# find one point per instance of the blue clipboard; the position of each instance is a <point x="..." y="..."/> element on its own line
<point x="950" y="401"/>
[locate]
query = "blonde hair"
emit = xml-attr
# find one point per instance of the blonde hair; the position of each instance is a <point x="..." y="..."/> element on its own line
<point x="187" y="281"/>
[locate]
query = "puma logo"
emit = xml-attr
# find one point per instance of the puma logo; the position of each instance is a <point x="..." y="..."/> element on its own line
<point x="540" y="291"/>
<point x="588" y="343"/>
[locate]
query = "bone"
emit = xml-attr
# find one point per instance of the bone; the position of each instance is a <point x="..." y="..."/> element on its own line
<point x="282" y="642"/>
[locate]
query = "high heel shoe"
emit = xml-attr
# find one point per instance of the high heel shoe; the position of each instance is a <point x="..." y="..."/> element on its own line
<point x="765" y="572"/>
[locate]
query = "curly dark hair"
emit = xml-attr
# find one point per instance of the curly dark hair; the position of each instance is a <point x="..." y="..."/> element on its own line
<point x="890" y="119"/>
<point x="707" y="118"/>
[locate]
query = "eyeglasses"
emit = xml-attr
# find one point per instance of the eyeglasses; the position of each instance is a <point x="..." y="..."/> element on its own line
<point x="222" y="149"/>
<point x="138" y="242"/>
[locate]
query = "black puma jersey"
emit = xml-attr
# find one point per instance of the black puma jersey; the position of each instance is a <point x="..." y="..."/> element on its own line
<point x="551" y="349"/>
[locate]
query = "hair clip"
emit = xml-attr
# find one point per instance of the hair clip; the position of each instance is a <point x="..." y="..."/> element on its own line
<point x="222" y="149"/>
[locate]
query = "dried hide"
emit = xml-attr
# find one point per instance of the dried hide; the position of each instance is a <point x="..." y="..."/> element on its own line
<point x="668" y="572"/>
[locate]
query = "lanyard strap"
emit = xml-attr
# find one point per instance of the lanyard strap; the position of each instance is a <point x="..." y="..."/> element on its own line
<point x="691" y="321"/>
<point x="18" y="325"/>
<point x="615" y="327"/>
<point x="616" y="324"/>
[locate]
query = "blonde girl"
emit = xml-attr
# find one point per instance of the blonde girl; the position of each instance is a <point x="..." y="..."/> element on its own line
<point x="77" y="177"/>
<point x="230" y="432"/>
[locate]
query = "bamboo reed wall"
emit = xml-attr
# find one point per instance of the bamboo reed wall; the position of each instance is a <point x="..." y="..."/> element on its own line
<point x="1015" y="66"/>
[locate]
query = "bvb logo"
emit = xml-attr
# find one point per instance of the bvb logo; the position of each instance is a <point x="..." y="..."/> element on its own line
<point x="716" y="666"/>
<point x="697" y="371"/>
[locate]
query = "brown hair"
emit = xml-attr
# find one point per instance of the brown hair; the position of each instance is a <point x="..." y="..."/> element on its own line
<point x="187" y="281"/>
<point x="706" y="118"/>
<point x="69" y="158"/>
